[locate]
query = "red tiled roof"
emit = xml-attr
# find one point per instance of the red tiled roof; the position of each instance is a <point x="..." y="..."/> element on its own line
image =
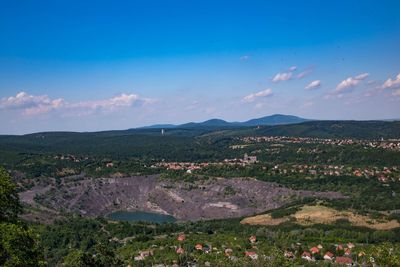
<point x="329" y="254"/>
<point x="181" y="237"/>
<point x="344" y="260"/>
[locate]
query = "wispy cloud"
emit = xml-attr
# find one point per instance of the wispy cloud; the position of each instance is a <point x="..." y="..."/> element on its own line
<point x="254" y="96"/>
<point x="244" y="58"/>
<point x="391" y="84"/>
<point x="284" y="76"/>
<point x="304" y="73"/>
<point x="33" y="105"/>
<point x="350" y="82"/>
<point x="290" y="74"/>
<point x="313" y="85"/>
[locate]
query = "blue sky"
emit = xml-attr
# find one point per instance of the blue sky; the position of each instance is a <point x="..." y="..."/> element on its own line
<point x="97" y="65"/>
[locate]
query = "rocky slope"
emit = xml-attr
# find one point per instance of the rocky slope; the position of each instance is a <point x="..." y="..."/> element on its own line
<point x="204" y="199"/>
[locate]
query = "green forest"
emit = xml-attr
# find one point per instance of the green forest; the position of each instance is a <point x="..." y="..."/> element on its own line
<point x="366" y="176"/>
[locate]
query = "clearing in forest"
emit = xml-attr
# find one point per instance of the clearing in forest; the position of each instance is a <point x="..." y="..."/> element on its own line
<point x="318" y="214"/>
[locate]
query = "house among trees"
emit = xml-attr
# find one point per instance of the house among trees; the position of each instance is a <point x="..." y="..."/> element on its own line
<point x="328" y="256"/>
<point x="249" y="159"/>
<point x="180" y="250"/>
<point x="181" y="237"/>
<point x="253" y="239"/>
<point x="314" y="250"/>
<point x="306" y="256"/>
<point x="228" y="252"/>
<point x="109" y="164"/>
<point x="350" y="245"/>
<point x="344" y="260"/>
<point x="143" y="254"/>
<point x="253" y="255"/>
<point x="288" y="254"/>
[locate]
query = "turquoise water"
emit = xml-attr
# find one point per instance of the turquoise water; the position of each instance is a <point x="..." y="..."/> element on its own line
<point x="132" y="216"/>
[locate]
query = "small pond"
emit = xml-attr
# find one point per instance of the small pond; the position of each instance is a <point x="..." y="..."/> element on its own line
<point x="132" y="216"/>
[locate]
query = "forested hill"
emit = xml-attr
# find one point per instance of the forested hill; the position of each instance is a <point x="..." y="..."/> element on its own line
<point x="142" y="142"/>
<point x="336" y="129"/>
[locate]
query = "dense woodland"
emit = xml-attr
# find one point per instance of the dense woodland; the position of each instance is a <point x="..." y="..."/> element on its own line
<point x="73" y="240"/>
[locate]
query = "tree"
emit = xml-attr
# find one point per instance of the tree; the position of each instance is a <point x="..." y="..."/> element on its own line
<point x="18" y="244"/>
<point x="386" y="254"/>
<point x="103" y="257"/>
<point x="9" y="201"/>
<point x="106" y="257"/>
<point x="78" y="258"/>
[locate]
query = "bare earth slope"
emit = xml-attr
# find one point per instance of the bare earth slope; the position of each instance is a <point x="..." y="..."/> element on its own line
<point x="211" y="199"/>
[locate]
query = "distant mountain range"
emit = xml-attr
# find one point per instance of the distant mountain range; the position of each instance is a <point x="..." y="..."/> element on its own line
<point x="276" y="119"/>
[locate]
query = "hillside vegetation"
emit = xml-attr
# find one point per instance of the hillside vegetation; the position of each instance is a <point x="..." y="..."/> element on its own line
<point x="321" y="186"/>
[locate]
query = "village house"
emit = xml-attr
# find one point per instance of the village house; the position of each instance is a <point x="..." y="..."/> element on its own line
<point x="228" y="252"/>
<point x="306" y="256"/>
<point x="344" y="260"/>
<point x="181" y="237"/>
<point x="382" y="178"/>
<point x="339" y="247"/>
<point x="328" y="256"/>
<point x="314" y="250"/>
<point x="180" y="250"/>
<point x="138" y="258"/>
<point x="198" y="247"/>
<point x="288" y="254"/>
<point x="143" y="254"/>
<point x="146" y="253"/>
<point x="253" y="255"/>
<point x="253" y="239"/>
<point x="249" y="159"/>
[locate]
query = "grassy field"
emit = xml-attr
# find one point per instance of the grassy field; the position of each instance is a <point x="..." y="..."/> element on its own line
<point x="318" y="214"/>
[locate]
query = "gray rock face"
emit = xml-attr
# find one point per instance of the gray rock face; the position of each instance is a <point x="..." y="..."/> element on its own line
<point x="210" y="199"/>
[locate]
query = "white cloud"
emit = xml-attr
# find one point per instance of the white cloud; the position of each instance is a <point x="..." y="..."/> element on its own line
<point x="362" y="76"/>
<point x="290" y="74"/>
<point x="313" y="85"/>
<point x="390" y="84"/>
<point x="244" y="58"/>
<point x="122" y="100"/>
<point x="350" y="82"/>
<point x="254" y="96"/>
<point x="284" y="76"/>
<point x="32" y="105"/>
<point x="303" y="73"/>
